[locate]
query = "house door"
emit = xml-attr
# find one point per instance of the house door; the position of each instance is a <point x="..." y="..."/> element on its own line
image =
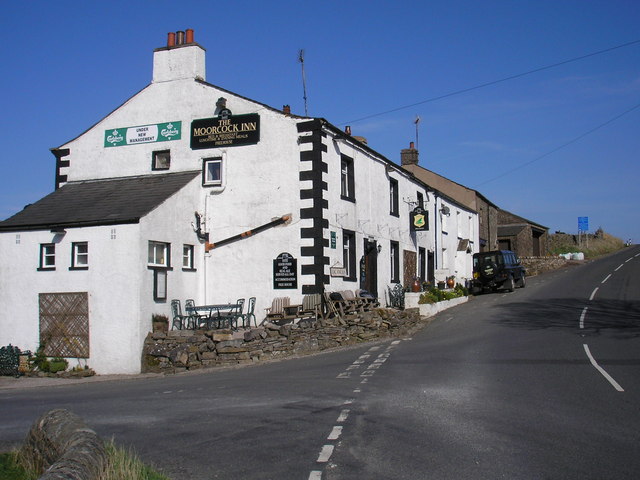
<point x="369" y="267"/>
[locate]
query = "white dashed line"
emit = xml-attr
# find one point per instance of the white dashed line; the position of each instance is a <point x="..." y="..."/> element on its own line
<point x="315" y="475"/>
<point x="344" y="414"/>
<point x="615" y="384"/>
<point x="619" y="267"/>
<point x="335" y="433"/>
<point x="325" y="454"/>
<point x="593" y="294"/>
<point x="628" y="260"/>
<point x="606" y="278"/>
<point x="584" y="313"/>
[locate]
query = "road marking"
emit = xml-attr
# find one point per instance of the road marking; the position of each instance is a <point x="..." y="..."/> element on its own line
<point x="335" y="433"/>
<point x="593" y="294"/>
<point x="325" y="454"/>
<point x="615" y="384"/>
<point x="628" y="260"/>
<point x="315" y="475"/>
<point x="584" y="313"/>
<point x="344" y="414"/>
<point x="606" y="278"/>
<point x="621" y="265"/>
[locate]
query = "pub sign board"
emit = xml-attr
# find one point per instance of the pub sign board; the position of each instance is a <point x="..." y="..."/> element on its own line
<point x="419" y="220"/>
<point x="285" y="272"/>
<point x="231" y="131"/>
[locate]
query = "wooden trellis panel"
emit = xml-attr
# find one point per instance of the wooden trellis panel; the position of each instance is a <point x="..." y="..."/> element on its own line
<point x="410" y="261"/>
<point x="64" y="324"/>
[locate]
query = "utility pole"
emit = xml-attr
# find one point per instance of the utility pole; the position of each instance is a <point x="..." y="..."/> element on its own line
<point x="304" y="82"/>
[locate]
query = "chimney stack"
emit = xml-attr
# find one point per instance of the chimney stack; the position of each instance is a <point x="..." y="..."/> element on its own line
<point x="181" y="59"/>
<point x="286" y="109"/>
<point x="409" y="156"/>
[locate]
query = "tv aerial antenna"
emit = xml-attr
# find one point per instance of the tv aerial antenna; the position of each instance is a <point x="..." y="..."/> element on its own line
<point x="304" y="81"/>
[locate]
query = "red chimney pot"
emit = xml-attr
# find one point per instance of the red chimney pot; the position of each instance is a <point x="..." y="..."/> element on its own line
<point x="189" y="35"/>
<point x="171" y="39"/>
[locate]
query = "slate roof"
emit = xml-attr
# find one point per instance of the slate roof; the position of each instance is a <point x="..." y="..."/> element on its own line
<point x="510" y="230"/>
<point x="99" y="202"/>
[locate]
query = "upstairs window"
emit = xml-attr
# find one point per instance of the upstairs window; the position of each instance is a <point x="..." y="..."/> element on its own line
<point x="347" y="182"/>
<point x="47" y="256"/>
<point x="161" y="160"/>
<point x="159" y="254"/>
<point x="393" y="197"/>
<point x="79" y="256"/>
<point x="212" y="171"/>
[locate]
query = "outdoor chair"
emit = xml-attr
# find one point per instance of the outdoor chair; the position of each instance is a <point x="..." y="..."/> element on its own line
<point x="246" y="317"/>
<point x="194" y="318"/>
<point x="179" y="320"/>
<point x="276" y="311"/>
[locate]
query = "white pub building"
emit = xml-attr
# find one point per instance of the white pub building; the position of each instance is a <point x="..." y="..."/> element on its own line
<point x="188" y="190"/>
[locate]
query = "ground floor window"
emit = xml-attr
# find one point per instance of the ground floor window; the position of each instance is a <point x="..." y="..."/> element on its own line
<point x="187" y="257"/>
<point x="394" y="248"/>
<point x="349" y="254"/>
<point x="159" y="254"/>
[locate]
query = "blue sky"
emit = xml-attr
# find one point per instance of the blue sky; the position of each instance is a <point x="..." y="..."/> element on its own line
<point x="544" y="145"/>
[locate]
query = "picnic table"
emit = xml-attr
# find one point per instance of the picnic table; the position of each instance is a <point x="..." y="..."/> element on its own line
<point x="216" y="314"/>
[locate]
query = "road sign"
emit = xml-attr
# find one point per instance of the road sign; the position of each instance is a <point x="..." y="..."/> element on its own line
<point x="583" y="224"/>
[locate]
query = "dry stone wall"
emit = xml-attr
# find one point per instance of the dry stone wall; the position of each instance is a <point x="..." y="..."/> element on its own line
<point x="181" y="350"/>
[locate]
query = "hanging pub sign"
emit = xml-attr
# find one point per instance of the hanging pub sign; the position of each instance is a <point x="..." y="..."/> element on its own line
<point x="225" y="131"/>
<point x="419" y="220"/>
<point x="158" y="132"/>
<point x="285" y="272"/>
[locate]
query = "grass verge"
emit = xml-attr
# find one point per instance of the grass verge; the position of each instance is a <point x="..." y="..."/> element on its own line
<point x="121" y="464"/>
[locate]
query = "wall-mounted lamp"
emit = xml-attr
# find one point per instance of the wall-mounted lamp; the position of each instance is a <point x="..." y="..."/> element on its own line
<point x="379" y="248"/>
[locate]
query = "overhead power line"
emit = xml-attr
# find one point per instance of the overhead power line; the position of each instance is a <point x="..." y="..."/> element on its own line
<point x="566" y="144"/>
<point x="494" y="82"/>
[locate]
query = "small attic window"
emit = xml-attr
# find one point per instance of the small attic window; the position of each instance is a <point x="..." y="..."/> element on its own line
<point x="161" y="160"/>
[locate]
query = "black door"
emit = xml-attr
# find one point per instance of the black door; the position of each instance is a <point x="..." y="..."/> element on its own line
<point x="369" y="267"/>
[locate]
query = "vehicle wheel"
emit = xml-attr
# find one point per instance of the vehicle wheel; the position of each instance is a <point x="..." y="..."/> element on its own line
<point x="523" y="282"/>
<point x="509" y="284"/>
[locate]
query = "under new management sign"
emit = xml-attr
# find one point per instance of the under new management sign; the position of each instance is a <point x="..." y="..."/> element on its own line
<point x="158" y="132"/>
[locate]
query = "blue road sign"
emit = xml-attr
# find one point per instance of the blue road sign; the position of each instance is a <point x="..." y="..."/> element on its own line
<point x="583" y="224"/>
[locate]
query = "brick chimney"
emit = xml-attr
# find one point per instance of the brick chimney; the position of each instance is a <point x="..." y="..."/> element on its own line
<point x="409" y="156"/>
<point x="182" y="58"/>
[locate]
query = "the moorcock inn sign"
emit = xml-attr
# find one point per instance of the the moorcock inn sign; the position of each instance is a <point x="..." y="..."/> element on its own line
<point x="225" y="131"/>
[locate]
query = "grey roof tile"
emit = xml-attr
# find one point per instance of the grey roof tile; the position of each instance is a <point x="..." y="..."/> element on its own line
<point x="99" y="202"/>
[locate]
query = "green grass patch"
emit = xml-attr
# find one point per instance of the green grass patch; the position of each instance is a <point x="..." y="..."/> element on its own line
<point x="122" y="464"/>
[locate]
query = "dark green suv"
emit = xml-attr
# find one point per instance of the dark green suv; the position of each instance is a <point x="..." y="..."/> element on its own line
<point x="498" y="269"/>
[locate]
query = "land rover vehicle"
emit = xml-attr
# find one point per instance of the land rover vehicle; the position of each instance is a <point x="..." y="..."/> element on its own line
<point x="497" y="269"/>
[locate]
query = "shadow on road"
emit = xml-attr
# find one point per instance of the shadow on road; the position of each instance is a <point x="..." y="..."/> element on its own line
<point x="614" y="318"/>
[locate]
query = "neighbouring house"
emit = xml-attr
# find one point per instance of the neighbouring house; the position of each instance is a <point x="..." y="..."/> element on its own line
<point x="526" y="238"/>
<point x="191" y="191"/>
<point x="487" y="212"/>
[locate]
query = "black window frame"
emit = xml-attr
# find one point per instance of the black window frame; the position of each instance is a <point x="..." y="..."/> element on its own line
<point x="75" y="254"/>
<point x="347" y="179"/>
<point x="394" y="205"/>
<point x="349" y="254"/>
<point x="394" y="258"/>
<point x="41" y="265"/>
<point x="157" y="154"/>
<point x="205" y="162"/>
<point x="191" y="266"/>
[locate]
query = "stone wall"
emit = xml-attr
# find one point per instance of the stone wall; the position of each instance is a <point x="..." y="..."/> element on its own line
<point x="180" y="350"/>
<point x="538" y="265"/>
